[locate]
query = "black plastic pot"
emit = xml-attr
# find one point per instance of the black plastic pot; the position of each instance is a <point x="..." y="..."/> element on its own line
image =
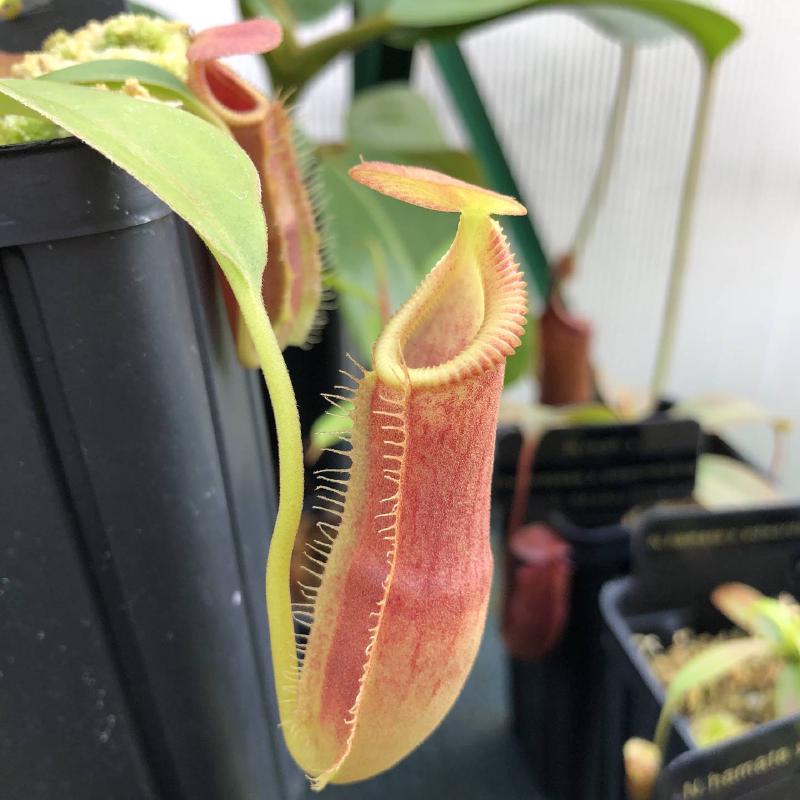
<point x="41" y="17"/>
<point x="137" y="499"/>
<point x="763" y="765"/>
<point x="680" y="556"/>
<point x="558" y="707"/>
<point x="583" y="481"/>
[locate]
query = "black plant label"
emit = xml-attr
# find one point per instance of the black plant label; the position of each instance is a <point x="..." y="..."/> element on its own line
<point x="595" y="474"/>
<point x="710" y="531"/>
<point x="687" y="552"/>
<point x="763" y="765"/>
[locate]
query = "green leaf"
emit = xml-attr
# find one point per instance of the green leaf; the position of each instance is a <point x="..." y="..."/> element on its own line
<point x="147" y="11"/>
<point x="367" y="241"/>
<point x="719" y="412"/>
<point x="519" y="363"/>
<point x="705" y="668"/>
<point x="162" y="84"/>
<point x="368" y="8"/>
<point x="118" y="70"/>
<point x="591" y="414"/>
<point x="779" y="622"/>
<point x="300" y="10"/>
<point x="774" y="620"/>
<point x="10" y="106"/>
<point x="787" y="690"/>
<point x="308" y="10"/>
<point x="628" y="26"/>
<point x="717" y="726"/>
<point x="534" y="418"/>
<point x="724" y="482"/>
<point x="326" y="431"/>
<point x="740" y="603"/>
<point x="713" y="32"/>
<point x="393" y="117"/>
<point x="198" y="171"/>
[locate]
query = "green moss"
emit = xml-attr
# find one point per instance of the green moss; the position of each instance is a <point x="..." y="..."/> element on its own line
<point x="128" y="36"/>
<point x="719" y="726"/>
<point x="139" y="31"/>
<point x="16" y="129"/>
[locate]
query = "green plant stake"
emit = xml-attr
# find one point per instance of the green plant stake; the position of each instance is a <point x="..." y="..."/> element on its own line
<point x="683" y="233"/>
<point x="602" y="177"/>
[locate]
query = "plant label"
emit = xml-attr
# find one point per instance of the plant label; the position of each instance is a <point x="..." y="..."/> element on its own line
<point x="595" y="474"/>
<point x="691" y="547"/>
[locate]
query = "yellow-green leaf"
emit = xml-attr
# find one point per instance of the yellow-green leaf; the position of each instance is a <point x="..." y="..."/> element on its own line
<point x="787" y="691"/>
<point x="628" y="26"/>
<point x="705" y="668"/>
<point x="393" y="117"/>
<point x="193" y="167"/>
<point x="724" y="482"/>
<point x="206" y="178"/>
<point x="327" y="430"/>
<point x="718" y="726"/>
<point x="713" y="32"/>
<point x="719" y="412"/>
<point x="162" y="84"/>
<point x="739" y="603"/>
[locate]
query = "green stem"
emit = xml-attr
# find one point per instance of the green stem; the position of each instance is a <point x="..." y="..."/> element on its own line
<point x="293" y="65"/>
<point x="780" y="432"/>
<point x="683" y="234"/>
<point x="663" y="730"/>
<point x="290" y="481"/>
<point x="602" y="178"/>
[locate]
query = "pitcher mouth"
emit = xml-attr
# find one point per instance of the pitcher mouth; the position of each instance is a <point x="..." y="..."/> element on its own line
<point x="229" y="95"/>
<point x="466" y="317"/>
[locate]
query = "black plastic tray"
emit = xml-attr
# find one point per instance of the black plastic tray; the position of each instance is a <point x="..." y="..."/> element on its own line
<point x="42" y="17"/>
<point x="669" y="590"/>
<point x="558" y="705"/>
<point x="558" y="702"/>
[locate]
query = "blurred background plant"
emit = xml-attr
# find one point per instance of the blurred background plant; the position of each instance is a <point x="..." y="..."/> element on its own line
<point x="377" y="252"/>
<point x="376" y="256"/>
<point x="594" y="131"/>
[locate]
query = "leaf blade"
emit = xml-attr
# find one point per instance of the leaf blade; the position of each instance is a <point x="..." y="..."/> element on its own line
<point x="713" y="32"/>
<point x="193" y="167"/>
<point x="393" y="117"/>
<point x="787" y="690"/>
<point x="705" y="668"/>
<point x="720" y="412"/>
<point x="724" y="482"/>
<point x="114" y="72"/>
<point x="626" y="25"/>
